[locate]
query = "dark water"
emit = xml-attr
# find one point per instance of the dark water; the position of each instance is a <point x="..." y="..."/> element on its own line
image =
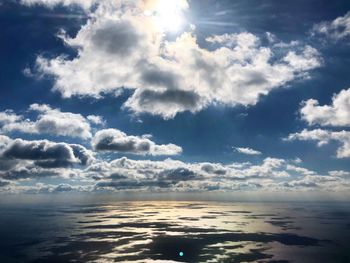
<point x="158" y="231"/>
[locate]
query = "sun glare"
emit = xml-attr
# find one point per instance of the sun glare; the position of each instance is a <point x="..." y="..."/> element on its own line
<point x="169" y="14"/>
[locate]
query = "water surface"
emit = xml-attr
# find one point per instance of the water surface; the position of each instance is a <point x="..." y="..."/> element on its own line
<point x="157" y="231"/>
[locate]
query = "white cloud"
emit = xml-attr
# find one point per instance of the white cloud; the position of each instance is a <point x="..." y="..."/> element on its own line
<point x="308" y="59"/>
<point x="324" y="137"/>
<point x="117" y="141"/>
<point x="9" y="116"/>
<point x="340" y="173"/>
<point x="41" y="188"/>
<point x="171" y="175"/>
<point x="51" y="3"/>
<point x="336" y="114"/>
<point x="247" y="151"/>
<point x="97" y="120"/>
<point x="50" y="121"/>
<point x="4" y="140"/>
<point x="37" y="159"/>
<point x="122" y="48"/>
<point x="336" y="29"/>
<point x="300" y="170"/>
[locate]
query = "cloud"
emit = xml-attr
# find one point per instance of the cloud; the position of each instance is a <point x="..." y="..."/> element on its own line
<point x="20" y="159"/>
<point x="46" y="153"/>
<point x="336" y="29"/>
<point x="314" y="182"/>
<point x="50" y="121"/>
<point x="4" y="183"/>
<point x="247" y="151"/>
<point x="117" y="141"/>
<point x="340" y="173"/>
<point x="179" y="174"/>
<point x="306" y="60"/>
<point x="171" y="175"/>
<point x="324" y="137"/>
<point x="166" y="103"/>
<point x="9" y="116"/>
<point x="120" y="47"/>
<point x="336" y="114"/>
<point x="63" y="188"/>
<point x="4" y="141"/>
<point x="52" y="3"/>
<point x="41" y="188"/>
<point x="28" y="172"/>
<point x="97" y="120"/>
<point x="300" y="170"/>
<point x="168" y="175"/>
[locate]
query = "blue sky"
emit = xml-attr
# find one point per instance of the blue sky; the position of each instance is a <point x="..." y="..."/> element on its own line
<point x="257" y="90"/>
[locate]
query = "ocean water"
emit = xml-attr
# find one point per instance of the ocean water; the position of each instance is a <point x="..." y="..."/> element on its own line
<point x="164" y="231"/>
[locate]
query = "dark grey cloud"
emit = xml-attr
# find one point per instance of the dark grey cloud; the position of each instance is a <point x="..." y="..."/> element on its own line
<point x="32" y="171"/>
<point x="119" y="38"/>
<point x="117" y="176"/>
<point x="63" y="188"/>
<point x="6" y="164"/>
<point x="4" y="183"/>
<point x="166" y="103"/>
<point x="164" y="179"/>
<point x="129" y="184"/>
<point x="83" y="154"/>
<point x="46" y="154"/>
<point x="131" y="146"/>
<point x="38" y="150"/>
<point x="154" y="76"/>
<point x="53" y="163"/>
<point x="185" y="99"/>
<point x="211" y="169"/>
<point x="255" y="78"/>
<point x="300" y="183"/>
<point x="118" y="141"/>
<point x="21" y="159"/>
<point x="179" y="174"/>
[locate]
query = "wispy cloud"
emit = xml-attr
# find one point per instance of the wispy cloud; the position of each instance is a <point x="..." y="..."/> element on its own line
<point x="247" y="151"/>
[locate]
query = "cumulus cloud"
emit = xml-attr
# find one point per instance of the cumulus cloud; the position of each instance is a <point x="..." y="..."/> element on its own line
<point x="340" y="173"/>
<point x="41" y="188"/>
<point x="4" y="141"/>
<point x="4" y="183"/>
<point x="117" y="141"/>
<point x="46" y="153"/>
<point x="314" y="182"/>
<point x="172" y="175"/>
<point x="336" y="29"/>
<point x="51" y="3"/>
<point x="9" y="116"/>
<point x="26" y="159"/>
<point x="50" y="121"/>
<point x="323" y="137"/>
<point x="97" y="120"/>
<point x="247" y="151"/>
<point x="164" y="175"/>
<point x="336" y="114"/>
<point x="166" y="103"/>
<point x="121" y="47"/>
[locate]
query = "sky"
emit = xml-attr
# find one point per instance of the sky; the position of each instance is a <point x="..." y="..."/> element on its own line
<point x="174" y="96"/>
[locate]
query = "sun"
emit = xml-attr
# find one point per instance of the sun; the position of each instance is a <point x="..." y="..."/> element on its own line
<point x="168" y="15"/>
